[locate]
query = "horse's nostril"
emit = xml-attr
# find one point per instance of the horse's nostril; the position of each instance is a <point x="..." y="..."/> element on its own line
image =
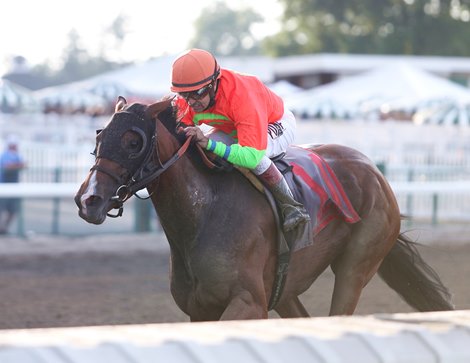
<point x="92" y="200"/>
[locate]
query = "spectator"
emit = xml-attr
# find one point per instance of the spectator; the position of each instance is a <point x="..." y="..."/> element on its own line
<point x="11" y="163"/>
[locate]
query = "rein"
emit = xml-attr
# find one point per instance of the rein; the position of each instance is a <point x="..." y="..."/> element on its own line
<point x="143" y="176"/>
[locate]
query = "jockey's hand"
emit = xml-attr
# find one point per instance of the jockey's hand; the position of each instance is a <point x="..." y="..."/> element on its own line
<point x="197" y="134"/>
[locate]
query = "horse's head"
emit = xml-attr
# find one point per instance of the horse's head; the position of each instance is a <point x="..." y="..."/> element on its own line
<point x="124" y="149"/>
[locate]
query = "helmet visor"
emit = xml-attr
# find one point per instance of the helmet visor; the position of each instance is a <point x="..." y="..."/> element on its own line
<point x="196" y="95"/>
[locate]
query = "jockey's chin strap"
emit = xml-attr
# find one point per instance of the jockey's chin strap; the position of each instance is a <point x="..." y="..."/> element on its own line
<point x="143" y="176"/>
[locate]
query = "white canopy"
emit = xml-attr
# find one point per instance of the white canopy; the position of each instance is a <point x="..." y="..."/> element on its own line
<point x="447" y="112"/>
<point x="14" y="98"/>
<point x="148" y="81"/>
<point x="396" y="87"/>
<point x="284" y="88"/>
<point x="153" y="78"/>
<point x="69" y="98"/>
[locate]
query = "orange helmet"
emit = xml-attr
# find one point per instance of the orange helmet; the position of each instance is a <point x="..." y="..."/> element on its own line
<point x="193" y="70"/>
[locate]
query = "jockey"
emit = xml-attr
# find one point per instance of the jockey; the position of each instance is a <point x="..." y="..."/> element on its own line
<point x="249" y="122"/>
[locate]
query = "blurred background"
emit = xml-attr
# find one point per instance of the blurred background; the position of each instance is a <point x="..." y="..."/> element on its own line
<point x="390" y="78"/>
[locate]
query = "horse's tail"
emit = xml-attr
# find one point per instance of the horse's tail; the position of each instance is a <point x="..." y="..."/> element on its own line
<point x="405" y="271"/>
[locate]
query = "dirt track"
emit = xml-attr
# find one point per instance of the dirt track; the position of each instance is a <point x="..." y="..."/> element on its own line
<point x="50" y="282"/>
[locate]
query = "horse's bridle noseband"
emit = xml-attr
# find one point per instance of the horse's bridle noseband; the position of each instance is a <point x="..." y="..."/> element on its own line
<point x="145" y="173"/>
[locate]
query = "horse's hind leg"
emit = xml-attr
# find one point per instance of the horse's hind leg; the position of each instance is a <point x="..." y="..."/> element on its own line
<point x="355" y="267"/>
<point x="348" y="288"/>
<point x="291" y="308"/>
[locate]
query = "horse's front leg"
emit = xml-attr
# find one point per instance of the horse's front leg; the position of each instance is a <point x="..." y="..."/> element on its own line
<point x="246" y="305"/>
<point x="227" y="304"/>
<point x="230" y="275"/>
<point x="248" y="296"/>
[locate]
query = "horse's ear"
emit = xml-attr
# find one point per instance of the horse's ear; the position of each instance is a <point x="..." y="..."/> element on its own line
<point x="120" y="104"/>
<point x="155" y="108"/>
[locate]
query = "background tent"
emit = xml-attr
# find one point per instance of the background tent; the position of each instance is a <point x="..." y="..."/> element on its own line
<point x="445" y="112"/>
<point x="144" y="82"/>
<point x="153" y="78"/>
<point x="70" y="99"/>
<point x="284" y="88"/>
<point x="395" y="90"/>
<point x="14" y="98"/>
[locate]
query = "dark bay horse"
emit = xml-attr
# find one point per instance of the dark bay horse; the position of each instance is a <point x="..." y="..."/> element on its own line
<point x="222" y="232"/>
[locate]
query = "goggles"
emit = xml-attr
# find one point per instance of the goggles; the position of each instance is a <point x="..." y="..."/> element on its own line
<point x="196" y="95"/>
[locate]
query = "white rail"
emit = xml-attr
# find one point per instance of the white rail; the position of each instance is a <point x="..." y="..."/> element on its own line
<point x="398" y="338"/>
<point x="49" y="208"/>
<point x="448" y="200"/>
<point x="445" y="187"/>
<point x="38" y="190"/>
<point x="57" y="190"/>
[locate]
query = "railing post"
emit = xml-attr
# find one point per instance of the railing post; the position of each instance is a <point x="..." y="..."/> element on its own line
<point x="409" y="197"/>
<point x="382" y="167"/>
<point x="56" y="204"/>
<point x="141" y="215"/>
<point x="435" y="206"/>
<point x="20" y="221"/>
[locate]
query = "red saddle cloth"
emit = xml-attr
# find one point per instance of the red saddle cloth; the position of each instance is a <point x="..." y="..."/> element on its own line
<point x="315" y="184"/>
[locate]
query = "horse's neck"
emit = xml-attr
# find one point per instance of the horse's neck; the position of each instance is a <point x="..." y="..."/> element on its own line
<point x="184" y="193"/>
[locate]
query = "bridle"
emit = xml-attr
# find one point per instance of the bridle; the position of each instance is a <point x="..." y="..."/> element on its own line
<point x="149" y="169"/>
<point x="141" y="178"/>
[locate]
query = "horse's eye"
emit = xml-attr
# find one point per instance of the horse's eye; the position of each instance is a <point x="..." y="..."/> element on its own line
<point x="134" y="144"/>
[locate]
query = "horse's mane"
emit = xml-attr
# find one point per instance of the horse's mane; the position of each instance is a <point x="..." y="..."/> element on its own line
<point x="169" y="119"/>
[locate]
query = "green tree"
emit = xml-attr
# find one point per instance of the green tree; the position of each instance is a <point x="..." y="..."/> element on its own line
<point x="418" y="27"/>
<point x="224" y="31"/>
<point x="75" y="57"/>
<point x="114" y="37"/>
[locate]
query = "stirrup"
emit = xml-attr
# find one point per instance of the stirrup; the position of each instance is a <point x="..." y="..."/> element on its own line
<point x="298" y="217"/>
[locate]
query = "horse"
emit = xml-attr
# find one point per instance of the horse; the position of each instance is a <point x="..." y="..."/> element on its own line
<point x="222" y="232"/>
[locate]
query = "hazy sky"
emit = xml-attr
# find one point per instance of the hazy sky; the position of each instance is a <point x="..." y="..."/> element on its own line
<point x="38" y="30"/>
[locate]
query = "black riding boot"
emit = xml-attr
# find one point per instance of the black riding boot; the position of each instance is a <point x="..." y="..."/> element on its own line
<point x="293" y="212"/>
